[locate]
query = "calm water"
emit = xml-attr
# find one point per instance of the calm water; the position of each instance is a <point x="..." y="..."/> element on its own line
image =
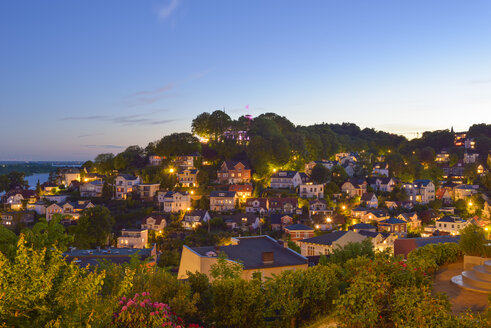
<point x="33" y="179"/>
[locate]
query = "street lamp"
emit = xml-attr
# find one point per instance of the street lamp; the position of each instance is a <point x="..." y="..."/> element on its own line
<point x="343" y="207"/>
<point x="171" y="170"/>
<point x="328" y="220"/>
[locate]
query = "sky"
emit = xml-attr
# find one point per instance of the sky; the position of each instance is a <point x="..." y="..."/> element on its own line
<point x="79" y="78"/>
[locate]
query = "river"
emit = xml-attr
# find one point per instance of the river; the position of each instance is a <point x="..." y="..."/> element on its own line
<point x="33" y="179"/>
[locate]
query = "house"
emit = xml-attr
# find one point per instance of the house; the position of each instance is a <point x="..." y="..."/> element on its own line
<point x="480" y="169"/>
<point x="354" y="187"/>
<point x="222" y="200"/>
<point x="411" y="219"/>
<point x="380" y="169"/>
<point x="133" y="238"/>
<point x="285" y="180"/>
<point x="257" y="254"/>
<point x="381" y="241"/>
<point x="244" y="221"/>
<point x="17" y="197"/>
<point x="374" y="215"/>
<point x="93" y="257"/>
<point x="155" y="160"/>
<point x="285" y="205"/>
<point x="186" y="161"/>
<point x="451" y="224"/>
<point x="279" y="221"/>
<point x="299" y="231"/>
<point x="14" y="218"/>
<point x="69" y="175"/>
<point x="470" y="157"/>
<point x="39" y="207"/>
<point x="256" y="205"/>
<point x="349" y="168"/>
<point x="174" y="201"/>
<point x="444" y="195"/>
<point x="188" y="177"/>
<point x="319" y="206"/>
<point x="147" y="191"/>
<point x="382" y="183"/>
<point x="311" y="190"/>
<point x="404" y="246"/>
<point x="362" y="227"/>
<point x="465" y="191"/>
<point x="324" y="244"/>
<point x="394" y="226"/>
<point x="125" y="184"/>
<point x="370" y="200"/>
<point x="68" y="210"/>
<point x="359" y="211"/>
<point x="346" y="157"/>
<point x="442" y="157"/>
<point x="154" y="222"/>
<point x="243" y="190"/>
<point x="231" y="172"/>
<point x="195" y="218"/>
<point x="91" y="189"/>
<point x="327" y="164"/>
<point x="420" y="191"/>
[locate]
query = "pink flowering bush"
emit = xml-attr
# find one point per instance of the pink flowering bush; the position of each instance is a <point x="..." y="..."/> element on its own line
<point x="140" y="311"/>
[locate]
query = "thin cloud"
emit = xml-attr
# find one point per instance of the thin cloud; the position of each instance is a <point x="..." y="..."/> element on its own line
<point x="479" y="82"/>
<point x="91" y="117"/>
<point x="167" y="87"/>
<point x="166" y="11"/>
<point x="125" y="120"/>
<point x="90" y="135"/>
<point x="103" y="146"/>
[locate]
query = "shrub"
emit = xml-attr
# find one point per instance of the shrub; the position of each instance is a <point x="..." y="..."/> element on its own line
<point x="473" y="241"/>
<point x="431" y="256"/>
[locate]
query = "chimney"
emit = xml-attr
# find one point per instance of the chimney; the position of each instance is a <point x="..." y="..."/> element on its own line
<point x="268" y="257"/>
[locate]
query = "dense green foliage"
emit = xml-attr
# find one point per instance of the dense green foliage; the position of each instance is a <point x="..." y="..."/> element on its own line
<point x="473" y="241"/>
<point x="431" y="256"/>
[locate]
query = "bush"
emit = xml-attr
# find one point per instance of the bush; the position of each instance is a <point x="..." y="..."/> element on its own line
<point x="473" y="241"/>
<point x="431" y="256"/>
<point x="352" y="250"/>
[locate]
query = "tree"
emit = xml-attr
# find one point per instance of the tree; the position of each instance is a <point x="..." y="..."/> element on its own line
<point x="4" y="183"/>
<point x="93" y="228"/>
<point x="104" y="163"/>
<point x="338" y="174"/>
<point x="352" y="250"/>
<point x="427" y="155"/>
<point x="48" y="234"/>
<point x="225" y="269"/>
<point x="201" y="125"/>
<point x="473" y="241"/>
<point x="320" y="174"/>
<point x="177" y="144"/>
<point x="107" y="192"/>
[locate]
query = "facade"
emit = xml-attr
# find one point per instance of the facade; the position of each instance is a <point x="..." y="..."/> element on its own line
<point x="260" y="254"/>
<point x="324" y="244"/>
<point x="354" y="187"/>
<point x="17" y="197"/>
<point x="174" y="201"/>
<point x="381" y="183"/>
<point x="194" y="219"/>
<point x="374" y="215"/>
<point x="381" y="169"/>
<point x="285" y="205"/>
<point x="420" y="191"/>
<point x="327" y="164"/>
<point x="186" y="161"/>
<point x="299" y="231"/>
<point x="257" y="205"/>
<point x="68" y="210"/>
<point x="393" y="226"/>
<point x="243" y="190"/>
<point x="279" y="221"/>
<point x="412" y="220"/>
<point x="222" y="200"/>
<point x="14" y="218"/>
<point x="234" y="172"/>
<point x="133" y="238"/>
<point x="147" y="191"/>
<point x="451" y="224"/>
<point x="155" y="160"/>
<point x="285" y="180"/>
<point x="154" y="222"/>
<point x="188" y="177"/>
<point x="125" y="184"/>
<point x="464" y="191"/>
<point x="370" y="200"/>
<point x="311" y="190"/>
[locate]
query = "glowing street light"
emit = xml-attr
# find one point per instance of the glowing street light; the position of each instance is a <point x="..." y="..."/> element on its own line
<point x="274" y="170"/>
<point x="343" y="207"/>
<point x="171" y="170"/>
<point x="328" y="220"/>
<point x="470" y="203"/>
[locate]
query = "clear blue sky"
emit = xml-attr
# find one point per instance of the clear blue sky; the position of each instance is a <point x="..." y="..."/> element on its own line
<point x="78" y="78"/>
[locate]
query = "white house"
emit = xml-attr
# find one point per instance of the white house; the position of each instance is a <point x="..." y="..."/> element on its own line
<point x="451" y="224"/>
<point x="154" y="222"/>
<point x="370" y="200"/>
<point x="381" y="183"/>
<point x="324" y="244"/>
<point x="125" y="184"/>
<point x="133" y="238"/>
<point x="354" y="187"/>
<point x="195" y="218"/>
<point x="174" y="201"/>
<point x="420" y="191"/>
<point x="91" y="189"/>
<point x="381" y="169"/>
<point x="285" y="179"/>
<point x="311" y="190"/>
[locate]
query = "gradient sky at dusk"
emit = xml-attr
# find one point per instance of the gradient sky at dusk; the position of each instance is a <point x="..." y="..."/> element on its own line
<point x="78" y="78"/>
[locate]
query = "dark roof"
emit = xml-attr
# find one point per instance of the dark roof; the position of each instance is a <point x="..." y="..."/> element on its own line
<point x="362" y="226"/>
<point x="393" y="221"/>
<point x="219" y="193"/>
<point x="326" y="239"/>
<point x="200" y="213"/>
<point x="158" y="218"/>
<point x="299" y="226"/>
<point x="171" y="193"/>
<point x="378" y="213"/>
<point x="450" y="219"/>
<point x="420" y="242"/>
<point x="231" y="164"/>
<point x="360" y="209"/>
<point x="276" y="218"/>
<point x="128" y="176"/>
<point x="373" y="234"/>
<point x="284" y="174"/>
<point x="250" y="249"/>
<point x="421" y="182"/>
<point x="367" y="196"/>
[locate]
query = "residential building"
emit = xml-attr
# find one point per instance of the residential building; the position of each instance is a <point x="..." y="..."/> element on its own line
<point x="147" y="191"/>
<point x="362" y="227"/>
<point x="186" y="161"/>
<point x="285" y="205"/>
<point x="354" y="187"/>
<point x="222" y="200"/>
<point x="244" y="221"/>
<point x="369" y="200"/>
<point x="299" y="231"/>
<point x="39" y="207"/>
<point x="451" y="224"/>
<point x="444" y="195"/>
<point x="394" y="226"/>
<point x="188" y="177"/>
<point x="91" y="189"/>
<point x="234" y="172"/>
<point x="442" y="157"/>
<point x="311" y="190"/>
<point x="380" y="169"/>
<point x="412" y="219"/>
<point x="257" y="254"/>
<point x="93" y="257"/>
<point x="327" y="164"/>
<point x="156" y="222"/>
<point x="256" y="205"/>
<point x="155" y="160"/>
<point x="125" y="184"/>
<point x="404" y="246"/>
<point x="243" y="190"/>
<point x="14" y="218"/>
<point x="69" y="175"/>
<point x="133" y="238"/>
<point x="374" y="215"/>
<point x="174" y="201"/>
<point x="68" y="210"/>
<point x="359" y="211"/>
<point x="195" y="218"/>
<point x="285" y="180"/>
<point x="324" y="244"/>
<point x="280" y="221"/>
<point x="420" y="191"/>
<point x="319" y="206"/>
<point x="382" y="183"/>
<point x="465" y="191"/>
<point x="470" y="157"/>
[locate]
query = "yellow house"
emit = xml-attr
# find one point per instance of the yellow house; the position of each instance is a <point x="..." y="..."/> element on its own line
<point x="256" y="253"/>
